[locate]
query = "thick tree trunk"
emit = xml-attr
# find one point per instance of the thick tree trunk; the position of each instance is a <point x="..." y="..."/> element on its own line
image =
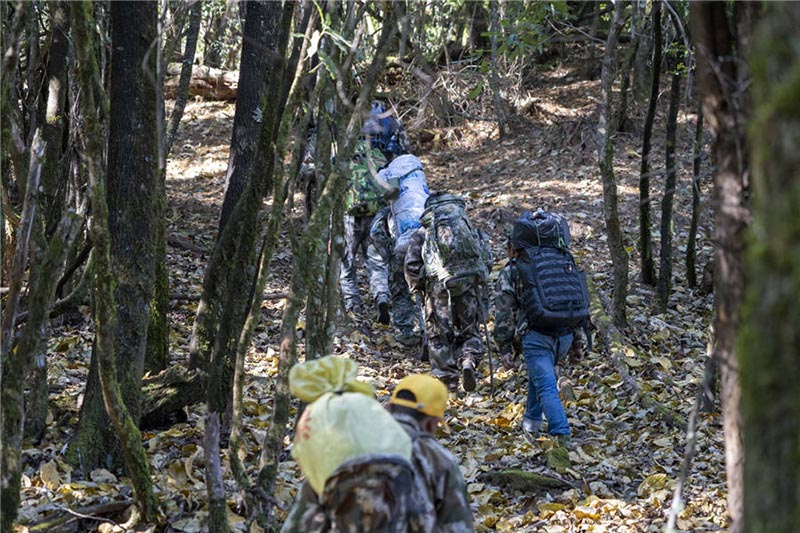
<point x="108" y="336"/>
<point x="616" y="244"/>
<point x="645" y="241"/>
<point x="664" y="285"/>
<point x="133" y="201"/>
<point x="768" y="339"/>
<point x="722" y="78"/>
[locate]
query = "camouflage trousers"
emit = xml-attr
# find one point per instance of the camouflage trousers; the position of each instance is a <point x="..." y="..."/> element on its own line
<point x="356" y="238"/>
<point x="453" y="327"/>
<point x="387" y="283"/>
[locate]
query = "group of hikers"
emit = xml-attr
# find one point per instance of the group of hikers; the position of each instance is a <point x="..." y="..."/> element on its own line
<point x="370" y="468"/>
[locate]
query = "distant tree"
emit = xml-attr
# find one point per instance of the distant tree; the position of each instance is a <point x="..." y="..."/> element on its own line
<point x="675" y="63"/>
<point x="721" y="43"/>
<point x="648" y="271"/>
<point x="769" y="337"/>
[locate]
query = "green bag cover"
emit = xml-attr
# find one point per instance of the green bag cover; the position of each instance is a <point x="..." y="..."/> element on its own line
<point x="310" y="380"/>
<point x="337" y="428"/>
<point x="364" y="195"/>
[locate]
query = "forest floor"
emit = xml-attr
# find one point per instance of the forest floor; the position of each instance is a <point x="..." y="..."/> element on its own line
<point x="627" y="452"/>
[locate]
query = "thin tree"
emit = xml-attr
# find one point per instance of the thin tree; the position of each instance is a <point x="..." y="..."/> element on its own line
<point x="722" y="77"/>
<point x="664" y="284"/>
<point x="648" y="273"/>
<point x="616" y="244"/>
<point x="768" y="338"/>
<point x="691" y="242"/>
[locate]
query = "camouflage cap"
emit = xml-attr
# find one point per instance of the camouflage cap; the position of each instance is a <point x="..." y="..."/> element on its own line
<point x="430" y="394"/>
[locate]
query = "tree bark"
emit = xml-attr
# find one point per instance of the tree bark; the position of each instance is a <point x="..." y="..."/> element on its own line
<point x="15" y="364"/>
<point x="768" y="338"/>
<point x="691" y="242"/>
<point x="722" y="80"/>
<point x="648" y="273"/>
<point x="664" y="285"/>
<point x="616" y="244"/>
<point x="133" y="201"/>
<point x="107" y="335"/>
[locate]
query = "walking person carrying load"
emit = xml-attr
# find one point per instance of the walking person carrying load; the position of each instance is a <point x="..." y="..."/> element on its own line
<point x="446" y="264"/>
<point x="355" y="456"/>
<point x="540" y="298"/>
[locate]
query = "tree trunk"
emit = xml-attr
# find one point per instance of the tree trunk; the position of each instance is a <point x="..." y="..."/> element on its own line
<point x="616" y="244"/>
<point x="256" y="65"/>
<point x="133" y="201"/>
<point x="721" y="75"/>
<point x="53" y="184"/>
<point x="768" y="338"/>
<point x="14" y="364"/>
<point x="664" y="285"/>
<point x="691" y="243"/>
<point x="645" y="241"/>
<point x="107" y="334"/>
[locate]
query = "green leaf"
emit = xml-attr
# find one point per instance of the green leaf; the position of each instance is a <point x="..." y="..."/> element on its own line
<point x="475" y="91"/>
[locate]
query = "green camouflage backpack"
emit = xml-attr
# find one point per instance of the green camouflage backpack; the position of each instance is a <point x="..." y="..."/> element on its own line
<point x="452" y="250"/>
<point x="364" y="196"/>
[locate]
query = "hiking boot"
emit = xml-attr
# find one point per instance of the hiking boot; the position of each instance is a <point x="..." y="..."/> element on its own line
<point x="383" y="313"/>
<point x="468" y="375"/>
<point x="530" y="430"/>
<point x="564" y="441"/>
<point x="407" y="339"/>
<point x="425" y="355"/>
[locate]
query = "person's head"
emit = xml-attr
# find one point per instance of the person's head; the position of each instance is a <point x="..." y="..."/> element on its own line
<point x="422" y="396"/>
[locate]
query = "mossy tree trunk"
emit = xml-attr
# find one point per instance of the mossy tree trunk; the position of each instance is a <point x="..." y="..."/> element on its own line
<point x="648" y="274"/>
<point x="769" y="337"/>
<point x="135" y="202"/>
<point x="52" y="196"/>
<point x="616" y="244"/>
<point x="235" y="253"/>
<point x="138" y="118"/>
<point x="722" y="77"/>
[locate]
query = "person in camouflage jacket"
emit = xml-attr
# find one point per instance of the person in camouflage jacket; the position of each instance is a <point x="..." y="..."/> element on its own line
<point x="386" y="280"/>
<point x="418" y="403"/>
<point x="370" y="493"/>
<point x="452" y="316"/>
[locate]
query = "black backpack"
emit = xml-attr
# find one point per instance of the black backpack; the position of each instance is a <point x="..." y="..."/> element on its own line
<point x="551" y="288"/>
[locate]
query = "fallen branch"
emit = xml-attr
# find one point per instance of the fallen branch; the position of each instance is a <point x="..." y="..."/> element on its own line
<point x="65" y="514"/>
<point x="180" y="242"/>
<point x="524" y="480"/>
<point x="183" y="297"/>
<point x="615" y="344"/>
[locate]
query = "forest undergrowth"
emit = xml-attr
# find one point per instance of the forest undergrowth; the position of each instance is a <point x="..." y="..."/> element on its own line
<point x="628" y="409"/>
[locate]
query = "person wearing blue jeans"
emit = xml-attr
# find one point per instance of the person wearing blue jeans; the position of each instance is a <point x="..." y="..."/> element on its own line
<point x="541" y="353"/>
<point x="541" y="350"/>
